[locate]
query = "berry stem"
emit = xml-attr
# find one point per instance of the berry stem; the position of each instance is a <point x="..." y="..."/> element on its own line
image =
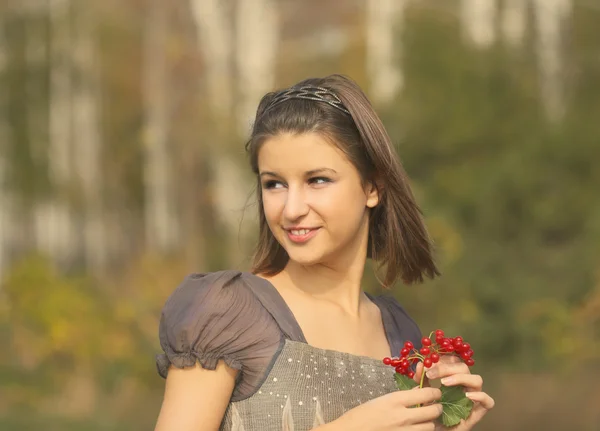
<point x="422" y="377"/>
<point x="422" y="380"/>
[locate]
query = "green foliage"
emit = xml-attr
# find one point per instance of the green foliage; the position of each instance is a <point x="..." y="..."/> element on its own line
<point x="404" y="383"/>
<point x="510" y="197"/>
<point x="456" y="405"/>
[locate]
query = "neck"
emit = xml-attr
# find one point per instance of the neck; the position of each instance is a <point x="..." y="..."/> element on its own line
<point x="337" y="281"/>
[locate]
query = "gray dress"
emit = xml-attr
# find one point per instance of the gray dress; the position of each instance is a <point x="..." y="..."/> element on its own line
<point x="283" y="383"/>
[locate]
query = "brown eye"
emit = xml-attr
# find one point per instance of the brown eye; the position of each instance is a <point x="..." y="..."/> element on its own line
<point x="272" y="184"/>
<point x="319" y="180"/>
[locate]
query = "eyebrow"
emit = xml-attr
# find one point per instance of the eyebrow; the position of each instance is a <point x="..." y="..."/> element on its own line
<point x="307" y="173"/>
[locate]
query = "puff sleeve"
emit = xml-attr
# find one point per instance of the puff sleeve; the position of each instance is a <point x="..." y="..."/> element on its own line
<point x="216" y="316"/>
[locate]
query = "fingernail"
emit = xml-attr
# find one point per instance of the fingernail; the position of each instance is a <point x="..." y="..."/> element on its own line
<point x="469" y="395"/>
<point x="431" y="374"/>
<point x="447" y="381"/>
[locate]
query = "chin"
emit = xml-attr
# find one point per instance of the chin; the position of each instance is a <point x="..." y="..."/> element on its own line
<point x="305" y="258"/>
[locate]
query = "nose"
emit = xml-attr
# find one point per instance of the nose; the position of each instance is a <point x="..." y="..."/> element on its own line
<point x="295" y="204"/>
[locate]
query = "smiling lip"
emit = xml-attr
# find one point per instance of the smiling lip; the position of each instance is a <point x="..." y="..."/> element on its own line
<point x="301" y="235"/>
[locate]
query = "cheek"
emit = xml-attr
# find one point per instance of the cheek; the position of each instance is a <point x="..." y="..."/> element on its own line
<point x="344" y="207"/>
<point x="272" y="207"/>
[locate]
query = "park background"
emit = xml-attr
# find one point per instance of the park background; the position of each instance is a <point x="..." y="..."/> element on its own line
<point x="122" y="169"/>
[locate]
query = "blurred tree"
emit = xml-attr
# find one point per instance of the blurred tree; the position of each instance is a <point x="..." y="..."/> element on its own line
<point x="161" y="223"/>
<point x="56" y="219"/>
<point x="384" y="46"/>
<point x="5" y="204"/>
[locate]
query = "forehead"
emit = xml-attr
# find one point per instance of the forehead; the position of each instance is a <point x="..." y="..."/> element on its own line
<point x="291" y="152"/>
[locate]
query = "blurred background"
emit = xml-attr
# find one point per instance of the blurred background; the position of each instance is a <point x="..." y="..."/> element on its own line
<point x="122" y="169"/>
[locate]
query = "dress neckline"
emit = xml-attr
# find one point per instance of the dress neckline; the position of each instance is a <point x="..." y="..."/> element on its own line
<point x="272" y="300"/>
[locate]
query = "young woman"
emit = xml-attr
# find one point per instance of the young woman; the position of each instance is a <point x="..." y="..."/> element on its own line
<point x="296" y="344"/>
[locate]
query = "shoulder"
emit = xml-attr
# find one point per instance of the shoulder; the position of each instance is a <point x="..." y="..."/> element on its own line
<point x="216" y="316"/>
<point x="213" y="289"/>
<point x="399" y="324"/>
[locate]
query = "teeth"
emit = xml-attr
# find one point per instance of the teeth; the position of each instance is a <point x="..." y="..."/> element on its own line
<point x="300" y="232"/>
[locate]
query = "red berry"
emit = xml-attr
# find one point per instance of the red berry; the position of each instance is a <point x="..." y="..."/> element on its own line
<point x="465" y="355"/>
<point x="411" y="374"/>
<point x="427" y="363"/>
<point x="470" y="362"/>
<point x="425" y="351"/>
<point x="404" y="363"/>
<point x="426" y="342"/>
<point x="395" y="362"/>
<point x="439" y="339"/>
<point x="469" y="352"/>
<point x="400" y="370"/>
<point x="439" y="333"/>
<point x="457" y="343"/>
<point x="404" y="352"/>
<point x="409" y="345"/>
<point x="435" y="358"/>
<point x="450" y="348"/>
<point x="387" y="361"/>
<point x="445" y="344"/>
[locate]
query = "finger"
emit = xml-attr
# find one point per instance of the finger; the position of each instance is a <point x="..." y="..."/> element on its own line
<point x="420" y="415"/>
<point x="482" y="398"/>
<point x="473" y="382"/>
<point x="483" y="403"/>
<point x="449" y="359"/>
<point x="417" y="396"/>
<point x="447" y="369"/>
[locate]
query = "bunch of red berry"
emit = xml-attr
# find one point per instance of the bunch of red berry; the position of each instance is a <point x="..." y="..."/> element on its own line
<point x="430" y="353"/>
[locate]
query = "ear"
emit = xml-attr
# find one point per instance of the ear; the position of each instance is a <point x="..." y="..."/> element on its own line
<point x="372" y="193"/>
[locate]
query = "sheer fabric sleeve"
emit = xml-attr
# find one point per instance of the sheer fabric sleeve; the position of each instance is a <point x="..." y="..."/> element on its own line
<point x="401" y="326"/>
<point x="215" y="316"/>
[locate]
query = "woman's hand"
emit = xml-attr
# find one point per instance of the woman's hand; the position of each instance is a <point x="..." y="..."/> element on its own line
<point x="452" y="372"/>
<point x="392" y="412"/>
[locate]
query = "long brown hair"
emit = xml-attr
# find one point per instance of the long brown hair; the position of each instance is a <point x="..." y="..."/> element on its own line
<point x="398" y="238"/>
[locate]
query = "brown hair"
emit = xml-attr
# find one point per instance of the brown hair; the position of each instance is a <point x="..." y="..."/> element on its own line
<point x="398" y="238"/>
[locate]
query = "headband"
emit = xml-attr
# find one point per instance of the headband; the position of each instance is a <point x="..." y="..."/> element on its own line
<point x="308" y="92"/>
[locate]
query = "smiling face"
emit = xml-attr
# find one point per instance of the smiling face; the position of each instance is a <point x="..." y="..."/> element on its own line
<point x="314" y="201"/>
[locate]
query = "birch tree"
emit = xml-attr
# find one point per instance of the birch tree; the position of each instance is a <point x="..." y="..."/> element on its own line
<point x="215" y="30"/>
<point x="161" y="224"/>
<point x="55" y="221"/>
<point x="215" y="38"/>
<point x="383" y="22"/>
<point x="5" y="204"/>
<point x="550" y="17"/>
<point x="257" y="36"/>
<point x="87" y="151"/>
<point x="478" y="18"/>
<point x="514" y="21"/>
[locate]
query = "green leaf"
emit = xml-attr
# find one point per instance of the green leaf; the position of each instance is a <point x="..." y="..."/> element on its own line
<point x="456" y="405"/>
<point x="404" y="383"/>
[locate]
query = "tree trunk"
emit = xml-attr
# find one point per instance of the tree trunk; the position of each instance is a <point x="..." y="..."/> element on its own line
<point x="5" y="204"/>
<point x="161" y="229"/>
<point x="87" y="152"/>
<point x="550" y="19"/>
<point x="55" y="222"/>
<point x="215" y="38"/>
<point x="257" y="31"/>
<point x="479" y="21"/>
<point x="383" y="68"/>
<point x="514" y="21"/>
<point x="215" y="28"/>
